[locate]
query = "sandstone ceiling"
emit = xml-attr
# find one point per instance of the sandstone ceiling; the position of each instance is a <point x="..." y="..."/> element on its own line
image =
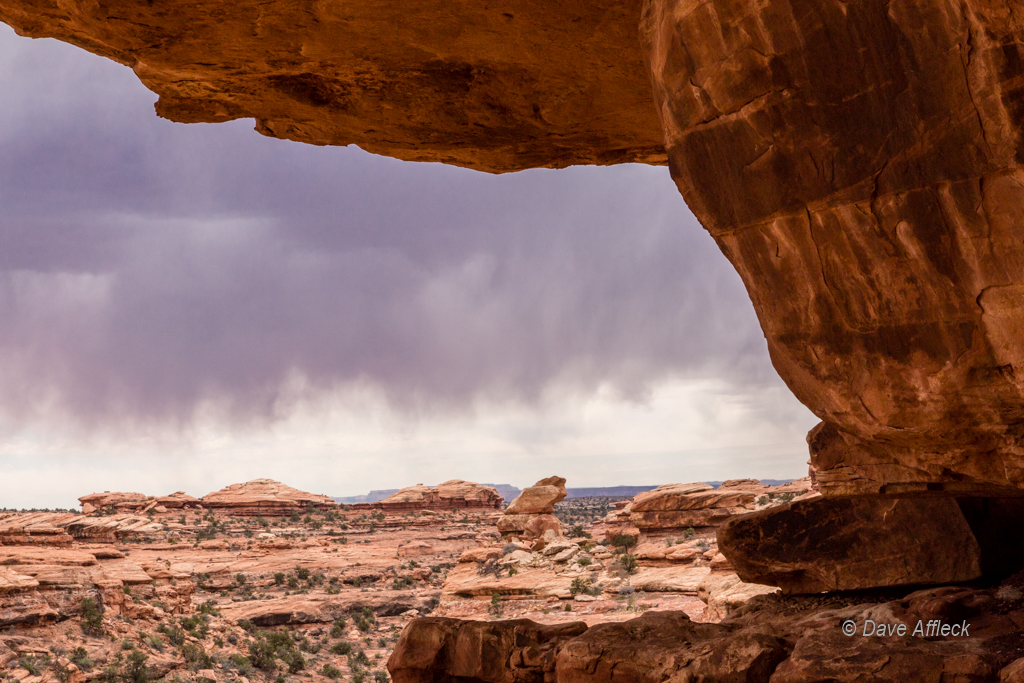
<point x="498" y="86"/>
<point x="858" y="161"/>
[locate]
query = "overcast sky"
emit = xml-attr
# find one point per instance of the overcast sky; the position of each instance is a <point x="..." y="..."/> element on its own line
<point x="183" y="307"/>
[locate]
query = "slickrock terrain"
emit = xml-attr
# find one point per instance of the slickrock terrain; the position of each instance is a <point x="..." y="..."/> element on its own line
<point x="272" y="582"/>
<point x="451" y="495"/>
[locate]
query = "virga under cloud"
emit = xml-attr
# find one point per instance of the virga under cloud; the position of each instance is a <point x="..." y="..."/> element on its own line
<point x="148" y="269"/>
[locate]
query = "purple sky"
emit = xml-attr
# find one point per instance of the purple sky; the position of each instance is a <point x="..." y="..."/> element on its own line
<point x="188" y="306"/>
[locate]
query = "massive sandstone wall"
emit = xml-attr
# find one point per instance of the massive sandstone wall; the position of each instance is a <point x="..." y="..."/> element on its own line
<point x="856" y="160"/>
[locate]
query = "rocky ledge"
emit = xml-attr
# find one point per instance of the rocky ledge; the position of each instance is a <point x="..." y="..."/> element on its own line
<point x="953" y="635"/>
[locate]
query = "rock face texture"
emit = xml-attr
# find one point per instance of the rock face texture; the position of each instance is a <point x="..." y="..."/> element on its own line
<point x="830" y="544"/>
<point x="859" y="164"/>
<point x="451" y="495"/>
<point x="264" y="497"/>
<point x="501" y="87"/>
<point x="772" y="638"/>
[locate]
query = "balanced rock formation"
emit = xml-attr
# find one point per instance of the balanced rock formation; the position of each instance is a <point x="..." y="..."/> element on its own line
<point x="529" y="515"/>
<point x="264" y="497"/>
<point x="539" y="498"/>
<point x="455" y="494"/>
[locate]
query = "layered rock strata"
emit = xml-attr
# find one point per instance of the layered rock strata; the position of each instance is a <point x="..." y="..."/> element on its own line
<point x="455" y="494"/>
<point x="265" y="497"/>
<point x="675" y="507"/>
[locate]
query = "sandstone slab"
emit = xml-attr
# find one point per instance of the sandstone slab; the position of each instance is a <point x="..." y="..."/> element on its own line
<point x="681" y="579"/>
<point x="849" y="543"/>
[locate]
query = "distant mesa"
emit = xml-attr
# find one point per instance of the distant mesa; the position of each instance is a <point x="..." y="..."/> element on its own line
<point x="451" y="495"/>
<point x="251" y="498"/>
<point x="264" y="496"/>
<point x="506" y="491"/>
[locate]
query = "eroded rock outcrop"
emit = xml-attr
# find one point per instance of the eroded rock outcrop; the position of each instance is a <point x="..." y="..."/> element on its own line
<point x="455" y="494"/>
<point x="265" y="497"/>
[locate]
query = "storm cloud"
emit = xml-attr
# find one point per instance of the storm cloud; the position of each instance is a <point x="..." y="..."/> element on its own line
<point x="148" y="268"/>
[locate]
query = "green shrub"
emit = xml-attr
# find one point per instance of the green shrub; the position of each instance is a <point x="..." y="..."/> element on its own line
<point x="80" y="658"/>
<point x="495" y="609"/>
<point x="581" y="586"/>
<point x="135" y="669"/>
<point x="241" y="663"/>
<point x="278" y="578"/>
<point x="331" y="672"/>
<point x="341" y="648"/>
<point x="623" y="541"/>
<point x="196" y="657"/>
<point x="629" y="563"/>
<point x="92" y="617"/>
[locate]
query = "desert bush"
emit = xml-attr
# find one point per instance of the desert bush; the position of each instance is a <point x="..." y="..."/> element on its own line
<point x="331" y="672"/>
<point x="241" y="663"/>
<point x="623" y="541"/>
<point x="92" y="617"/>
<point x="196" y="657"/>
<point x="581" y="586"/>
<point x="495" y="609"/>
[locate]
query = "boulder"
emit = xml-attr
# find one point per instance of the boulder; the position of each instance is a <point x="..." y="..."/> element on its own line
<point x="831" y="544"/>
<point x="539" y="498"/>
<point x="679" y="579"/>
<point x="531" y="526"/>
<point x="723" y="592"/>
<point x="660" y="646"/>
<point x="439" y="649"/>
